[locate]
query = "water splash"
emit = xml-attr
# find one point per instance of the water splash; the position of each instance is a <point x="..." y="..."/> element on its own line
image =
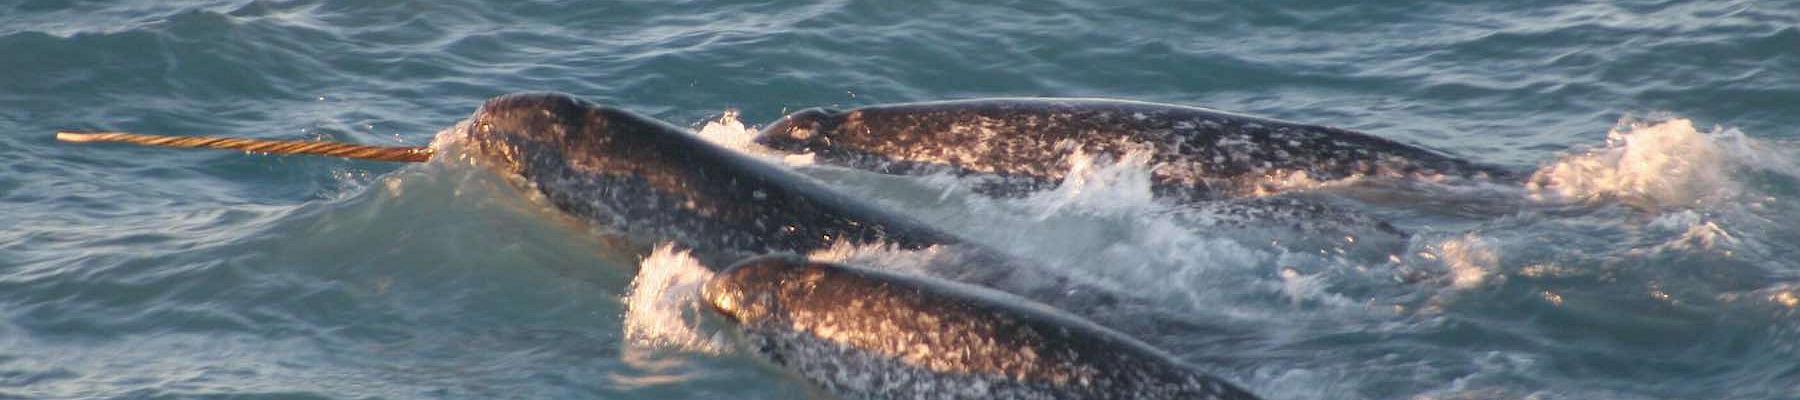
<point x="1099" y="183"/>
<point x="449" y="139"/>
<point x="1301" y="288"/>
<point x="662" y="307"/>
<point x="1654" y="164"/>
<point x="1697" y="233"/>
<point x="885" y="257"/>
<point x="1103" y="226"/>
<point x="729" y="131"/>
<point x="1470" y="260"/>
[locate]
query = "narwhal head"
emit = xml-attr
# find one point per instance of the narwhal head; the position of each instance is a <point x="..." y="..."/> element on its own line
<point x="537" y="133"/>
<point x="624" y="172"/>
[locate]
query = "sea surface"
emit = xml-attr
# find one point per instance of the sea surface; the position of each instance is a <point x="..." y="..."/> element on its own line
<point x="1652" y="255"/>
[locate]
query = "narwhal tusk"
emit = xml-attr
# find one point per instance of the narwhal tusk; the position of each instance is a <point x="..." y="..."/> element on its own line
<point x="329" y="149"/>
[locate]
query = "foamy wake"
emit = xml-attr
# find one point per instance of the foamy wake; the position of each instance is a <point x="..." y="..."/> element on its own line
<point x="1165" y="253"/>
<point x="1656" y="164"/>
<point x="663" y="308"/>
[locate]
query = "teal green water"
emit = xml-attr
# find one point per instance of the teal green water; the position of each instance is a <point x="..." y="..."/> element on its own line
<point x="1657" y="263"/>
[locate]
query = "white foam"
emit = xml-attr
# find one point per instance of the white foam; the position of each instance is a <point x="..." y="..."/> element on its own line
<point x="663" y="306"/>
<point x="1471" y="260"/>
<point x="1696" y="232"/>
<point x="1301" y="288"/>
<point x="1654" y="164"/>
<point x="449" y="139"/>
<point x="877" y="256"/>
<point x="1102" y="226"/>
<point x="730" y="132"/>
<point x="1098" y="183"/>
<point x="1169" y="260"/>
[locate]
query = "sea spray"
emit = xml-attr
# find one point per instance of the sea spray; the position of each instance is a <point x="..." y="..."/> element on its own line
<point x="1099" y="183"/>
<point x="1470" y="260"/>
<point x="1647" y="164"/>
<point x="662" y="307"/>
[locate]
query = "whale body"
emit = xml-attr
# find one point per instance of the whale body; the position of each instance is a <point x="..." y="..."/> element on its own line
<point x="655" y="182"/>
<point x="1194" y="153"/>
<point x="864" y="333"/>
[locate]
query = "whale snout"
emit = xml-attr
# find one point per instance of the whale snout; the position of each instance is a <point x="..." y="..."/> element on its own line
<point x="750" y="291"/>
<point x="530" y="114"/>
<point x="524" y="131"/>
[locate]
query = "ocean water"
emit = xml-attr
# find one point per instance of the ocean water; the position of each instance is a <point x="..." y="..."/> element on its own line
<point x="1651" y="256"/>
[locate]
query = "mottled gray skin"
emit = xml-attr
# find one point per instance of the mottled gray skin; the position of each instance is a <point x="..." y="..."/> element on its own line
<point x="1196" y="153"/>
<point x="862" y="333"/>
<point x="1299" y="214"/>
<point x="656" y="183"/>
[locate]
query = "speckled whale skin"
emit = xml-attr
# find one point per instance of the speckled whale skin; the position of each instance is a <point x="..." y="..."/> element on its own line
<point x="861" y="333"/>
<point x="1195" y="153"/>
<point x="652" y="183"/>
<point x="655" y="182"/>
